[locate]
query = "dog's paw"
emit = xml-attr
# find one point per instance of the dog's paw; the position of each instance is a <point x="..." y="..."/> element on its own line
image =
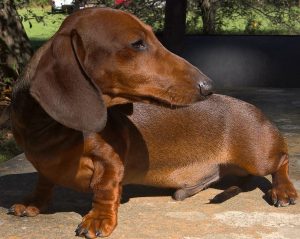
<point x="96" y="225"/>
<point x="21" y="210"/>
<point x="283" y="195"/>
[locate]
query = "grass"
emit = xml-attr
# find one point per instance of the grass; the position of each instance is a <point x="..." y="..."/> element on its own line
<point x="41" y="29"/>
<point x="258" y="25"/>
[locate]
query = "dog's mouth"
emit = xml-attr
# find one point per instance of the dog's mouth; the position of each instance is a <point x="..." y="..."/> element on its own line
<point x="150" y="99"/>
<point x="160" y="102"/>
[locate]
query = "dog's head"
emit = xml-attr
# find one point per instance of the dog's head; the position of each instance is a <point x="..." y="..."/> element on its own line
<point x="103" y="57"/>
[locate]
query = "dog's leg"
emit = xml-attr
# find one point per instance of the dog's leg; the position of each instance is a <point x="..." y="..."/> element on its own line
<point x="189" y="191"/>
<point x="283" y="192"/>
<point x="106" y="186"/>
<point x="36" y="202"/>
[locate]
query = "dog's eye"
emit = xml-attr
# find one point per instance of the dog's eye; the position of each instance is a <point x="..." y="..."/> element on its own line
<point x="139" y="45"/>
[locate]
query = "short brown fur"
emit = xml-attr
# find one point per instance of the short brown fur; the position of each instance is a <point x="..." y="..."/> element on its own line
<point x="186" y="149"/>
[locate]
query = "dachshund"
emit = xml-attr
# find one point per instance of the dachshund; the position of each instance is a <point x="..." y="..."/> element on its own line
<point x="69" y="107"/>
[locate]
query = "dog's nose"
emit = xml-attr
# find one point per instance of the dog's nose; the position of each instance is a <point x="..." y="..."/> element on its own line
<point x="206" y="87"/>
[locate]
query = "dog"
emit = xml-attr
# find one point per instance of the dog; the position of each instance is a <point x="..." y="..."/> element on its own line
<point x="69" y="107"/>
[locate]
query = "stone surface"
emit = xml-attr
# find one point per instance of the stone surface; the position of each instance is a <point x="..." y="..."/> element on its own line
<point x="151" y="213"/>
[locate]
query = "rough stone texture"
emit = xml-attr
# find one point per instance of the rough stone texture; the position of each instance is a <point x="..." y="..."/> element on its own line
<point x="151" y="213"/>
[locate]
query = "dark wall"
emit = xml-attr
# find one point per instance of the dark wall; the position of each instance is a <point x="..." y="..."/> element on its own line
<point x="246" y="61"/>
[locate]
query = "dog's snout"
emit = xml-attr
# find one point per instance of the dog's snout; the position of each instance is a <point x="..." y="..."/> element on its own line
<point x="206" y="87"/>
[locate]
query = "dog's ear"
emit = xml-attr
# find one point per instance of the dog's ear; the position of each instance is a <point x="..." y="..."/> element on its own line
<point x="63" y="88"/>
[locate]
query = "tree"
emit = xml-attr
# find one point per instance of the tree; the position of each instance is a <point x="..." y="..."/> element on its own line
<point x="14" y="44"/>
<point x="208" y="14"/>
<point x="277" y="12"/>
<point x="149" y="11"/>
<point x="15" y="48"/>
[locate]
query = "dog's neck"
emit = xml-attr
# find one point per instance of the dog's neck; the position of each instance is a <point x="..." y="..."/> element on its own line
<point x="37" y="131"/>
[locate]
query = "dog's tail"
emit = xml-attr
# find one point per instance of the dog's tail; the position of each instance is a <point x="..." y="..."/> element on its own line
<point x="4" y="117"/>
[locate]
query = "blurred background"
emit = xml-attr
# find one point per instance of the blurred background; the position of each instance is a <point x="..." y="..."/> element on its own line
<point x="237" y="43"/>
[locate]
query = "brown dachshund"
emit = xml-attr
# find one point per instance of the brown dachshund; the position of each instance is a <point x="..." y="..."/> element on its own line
<point x="71" y="89"/>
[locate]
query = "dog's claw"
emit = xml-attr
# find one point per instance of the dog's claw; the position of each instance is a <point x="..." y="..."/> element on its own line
<point x="81" y="231"/>
<point x="292" y="201"/>
<point x="23" y="214"/>
<point x="275" y="202"/>
<point x="11" y="210"/>
<point x="282" y="204"/>
<point x="79" y="226"/>
<point x="282" y="201"/>
<point x="99" y="234"/>
<point x="77" y="229"/>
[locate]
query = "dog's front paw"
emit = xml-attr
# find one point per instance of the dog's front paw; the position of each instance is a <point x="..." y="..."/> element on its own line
<point x="283" y="195"/>
<point x="21" y="210"/>
<point x="95" y="224"/>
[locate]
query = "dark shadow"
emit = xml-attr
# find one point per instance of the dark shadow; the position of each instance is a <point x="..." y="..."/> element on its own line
<point x="14" y="187"/>
<point x="134" y="191"/>
<point x="233" y="185"/>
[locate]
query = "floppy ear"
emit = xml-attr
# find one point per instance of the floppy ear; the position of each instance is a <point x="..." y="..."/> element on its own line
<point x="63" y="88"/>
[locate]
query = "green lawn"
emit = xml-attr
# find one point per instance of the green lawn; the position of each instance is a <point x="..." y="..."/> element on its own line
<point x="40" y="31"/>
<point x="259" y="25"/>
